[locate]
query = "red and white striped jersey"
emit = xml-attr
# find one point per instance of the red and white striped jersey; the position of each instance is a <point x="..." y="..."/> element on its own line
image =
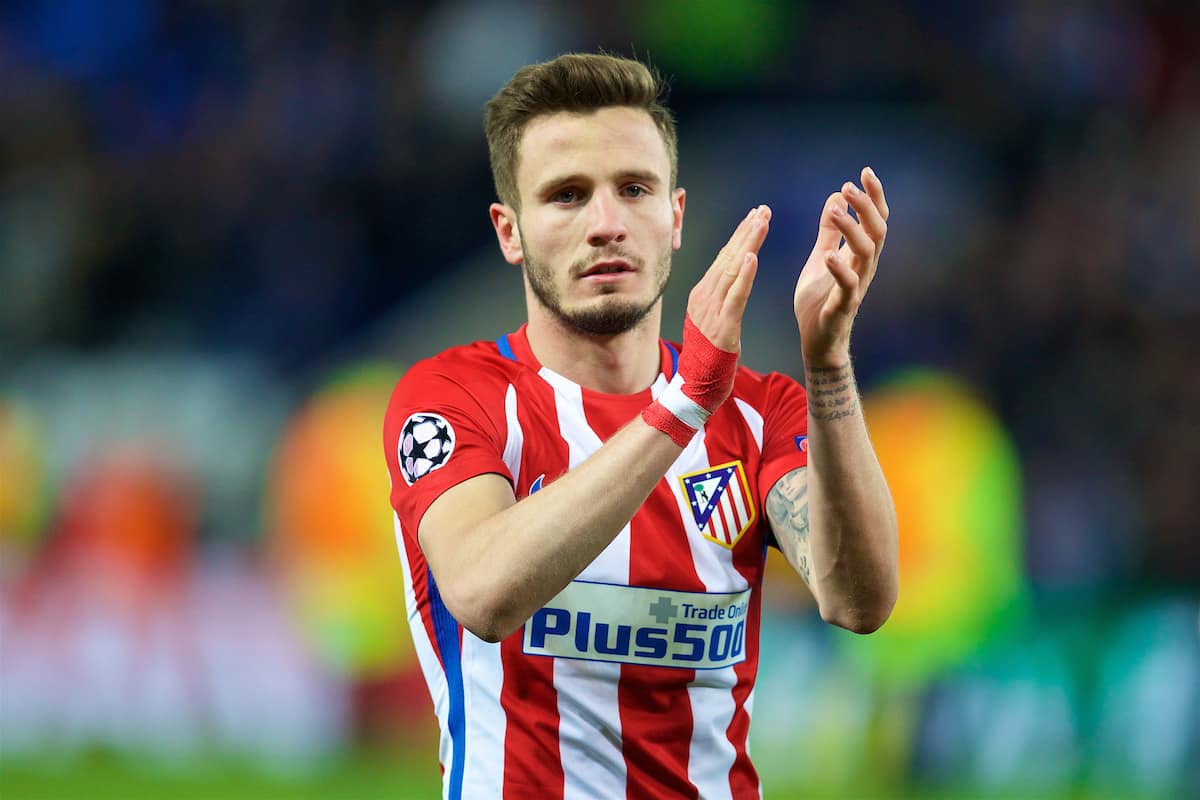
<point x="638" y="679"/>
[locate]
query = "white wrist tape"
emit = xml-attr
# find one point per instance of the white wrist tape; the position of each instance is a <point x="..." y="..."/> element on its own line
<point x="685" y="409"/>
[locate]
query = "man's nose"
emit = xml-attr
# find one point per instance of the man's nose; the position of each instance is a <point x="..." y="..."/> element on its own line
<point x="607" y="221"/>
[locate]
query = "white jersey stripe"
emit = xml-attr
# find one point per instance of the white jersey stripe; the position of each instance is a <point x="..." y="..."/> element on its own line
<point x="483" y="677"/>
<point x="735" y="521"/>
<point x="749" y="707"/>
<point x="483" y="671"/>
<point x="659" y="386"/>
<point x="480" y="675"/>
<point x="589" y="729"/>
<point x="711" y="755"/>
<point x="716" y="524"/>
<point x="754" y="421"/>
<point x="713" y="563"/>
<point x="483" y="668"/>
<point x="723" y="518"/>
<point x="516" y="437"/>
<point x="728" y="516"/>
<point x="738" y="499"/>
<point x="612" y="565"/>
<point x="710" y="692"/>
<point x="435" y="677"/>
<point x="589" y="712"/>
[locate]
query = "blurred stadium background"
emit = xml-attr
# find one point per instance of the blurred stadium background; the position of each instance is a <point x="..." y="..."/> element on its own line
<point x="227" y="227"/>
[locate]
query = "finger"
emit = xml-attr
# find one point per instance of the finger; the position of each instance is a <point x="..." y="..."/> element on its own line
<point x="742" y="236"/>
<point x="828" y="234"/>
<point x="735" y="299"/>
<point x="750" y="242"/>
<point x="874" y="187"/>
<point x="856" y="237"/>
<point x="754" y="235"/>
<point x="847" y="280"/>
<point x="868" y="215"/>
<point x="708" y="295"/>
<point x="758" y="230"/>
<point x="727" y="257"/>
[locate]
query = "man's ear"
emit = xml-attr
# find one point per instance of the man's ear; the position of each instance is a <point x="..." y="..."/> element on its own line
<point x="677" y="201"/>
<point x="504" y="220"/>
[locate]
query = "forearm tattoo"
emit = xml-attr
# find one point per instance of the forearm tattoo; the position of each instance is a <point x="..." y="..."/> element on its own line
<point x="832" y="394"/>
<point x="787" y="509"/>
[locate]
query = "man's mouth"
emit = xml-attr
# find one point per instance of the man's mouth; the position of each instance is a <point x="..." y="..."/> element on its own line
<point x="607" y="268"/>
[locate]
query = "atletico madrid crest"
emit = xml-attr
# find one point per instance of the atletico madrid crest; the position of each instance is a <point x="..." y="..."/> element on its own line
<point x="720" y="500"/>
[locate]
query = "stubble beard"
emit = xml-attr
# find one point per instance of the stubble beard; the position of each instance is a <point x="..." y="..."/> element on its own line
<point x="610" y="317"/>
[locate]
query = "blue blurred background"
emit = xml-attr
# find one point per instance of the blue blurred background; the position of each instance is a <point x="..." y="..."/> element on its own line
<point x="226" y="228"/>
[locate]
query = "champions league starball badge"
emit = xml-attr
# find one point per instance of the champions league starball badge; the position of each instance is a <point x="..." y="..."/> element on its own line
<point x="426" y="442"/>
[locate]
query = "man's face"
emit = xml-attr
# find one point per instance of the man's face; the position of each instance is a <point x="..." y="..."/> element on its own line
<point x="598" y="217"/>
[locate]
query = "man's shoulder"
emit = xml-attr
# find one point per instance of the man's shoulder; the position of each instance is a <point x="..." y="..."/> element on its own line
<point x="477" y="361"/>
<point x="470" y="379"/>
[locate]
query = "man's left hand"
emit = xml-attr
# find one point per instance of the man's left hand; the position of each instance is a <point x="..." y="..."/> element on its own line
<point x="835" y="278"/>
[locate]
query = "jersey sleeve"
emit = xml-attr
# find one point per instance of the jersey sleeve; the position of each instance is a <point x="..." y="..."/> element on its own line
<point x="438" y="433"/>
<point x="785" y="431"/>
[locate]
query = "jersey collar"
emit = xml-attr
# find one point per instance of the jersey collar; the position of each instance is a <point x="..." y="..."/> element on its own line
<point x="515" y="345"/>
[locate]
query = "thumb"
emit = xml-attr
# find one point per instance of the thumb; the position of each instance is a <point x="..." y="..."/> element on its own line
<point x="828" y="234"/>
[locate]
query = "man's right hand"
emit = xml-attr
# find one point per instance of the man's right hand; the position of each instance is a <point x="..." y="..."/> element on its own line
<point x="712" y="333"/>
<point x="718" y="301"/>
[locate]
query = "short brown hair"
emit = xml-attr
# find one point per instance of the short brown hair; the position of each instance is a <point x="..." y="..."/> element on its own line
<point x="576" y="82"/>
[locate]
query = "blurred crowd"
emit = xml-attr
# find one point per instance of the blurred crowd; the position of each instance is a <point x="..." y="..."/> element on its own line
<point x="207" y="207"/>
<point x="273" y="178"/>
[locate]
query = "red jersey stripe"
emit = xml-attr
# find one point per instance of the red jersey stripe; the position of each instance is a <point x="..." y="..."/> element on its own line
<point x="655" y="707"/>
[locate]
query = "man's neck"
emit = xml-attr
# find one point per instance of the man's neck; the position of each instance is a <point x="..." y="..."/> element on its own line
<point x="624" y="363"/>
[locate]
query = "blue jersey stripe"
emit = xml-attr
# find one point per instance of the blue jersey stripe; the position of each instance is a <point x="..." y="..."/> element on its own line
<point x="445" y="631"/>
<point x="506" y="348"/>
<point x="674" y="359"/>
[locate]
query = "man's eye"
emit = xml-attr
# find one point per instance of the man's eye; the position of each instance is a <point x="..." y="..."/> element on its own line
<point x="565" y="196"/>
<point x="635" y="190"/>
